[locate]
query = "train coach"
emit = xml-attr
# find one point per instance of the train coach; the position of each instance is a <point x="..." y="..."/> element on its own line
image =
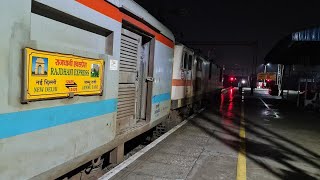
<point x="195" y="79"/>
<point x="79" y="78"/>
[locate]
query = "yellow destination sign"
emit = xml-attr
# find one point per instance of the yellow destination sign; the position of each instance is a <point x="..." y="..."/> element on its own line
<point x="269" y="75"/>
<point x="261" y="76"/>
<point x="53" y="75"/>
<point x="272" y="76"/>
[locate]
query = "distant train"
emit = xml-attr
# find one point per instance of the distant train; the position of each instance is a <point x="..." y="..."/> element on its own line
<point x="79" y="78"/>
<point x="194" y="80"/>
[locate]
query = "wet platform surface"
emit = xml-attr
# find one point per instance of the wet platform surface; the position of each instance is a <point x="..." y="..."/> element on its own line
<point x="281" y="142"/>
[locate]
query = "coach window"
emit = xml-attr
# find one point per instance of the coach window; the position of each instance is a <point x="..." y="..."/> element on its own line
<point x="210" y="70"/>
<point x="190" y="62"/>
<point x="199" y="65"/>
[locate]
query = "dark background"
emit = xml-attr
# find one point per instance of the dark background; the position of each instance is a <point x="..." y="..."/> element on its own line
<point x="233" y="23"/>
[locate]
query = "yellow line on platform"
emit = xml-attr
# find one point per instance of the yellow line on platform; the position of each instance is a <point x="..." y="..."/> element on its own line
<point x="242" y="164"/>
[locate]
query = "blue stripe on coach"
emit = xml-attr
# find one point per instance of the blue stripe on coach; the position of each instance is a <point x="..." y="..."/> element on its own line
<point x="161" y="97"/>
<point x="16" y="123"/>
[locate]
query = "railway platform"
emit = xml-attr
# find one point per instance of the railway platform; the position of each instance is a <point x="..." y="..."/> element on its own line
<point x="244" y="137"/>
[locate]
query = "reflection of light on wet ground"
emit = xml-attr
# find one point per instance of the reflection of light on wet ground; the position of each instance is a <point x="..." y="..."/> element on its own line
<point x="221" y="103"/>
<point x="231" y="95"/>
<point x="227" y="120"/>
<point x="266" y="112"/>
<point x="269" y="111"/>
<point x="226" y="109"/>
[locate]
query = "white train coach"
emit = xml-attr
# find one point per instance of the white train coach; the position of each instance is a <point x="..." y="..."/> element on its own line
<point x="79" y="78"/>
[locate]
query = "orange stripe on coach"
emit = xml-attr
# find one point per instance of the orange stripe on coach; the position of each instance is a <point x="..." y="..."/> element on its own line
<point x="180" y="82"/>
<point x="113" y="12"/>
<point x="104" y="8"/>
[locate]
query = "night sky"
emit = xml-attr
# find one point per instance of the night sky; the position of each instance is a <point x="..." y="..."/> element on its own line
<point x="264" y="21"/>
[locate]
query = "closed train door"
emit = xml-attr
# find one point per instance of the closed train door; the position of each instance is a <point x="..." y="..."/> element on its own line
<point x="198" y="78"/>
<point x="187" y="71"/>
<point x="132" y="85"/>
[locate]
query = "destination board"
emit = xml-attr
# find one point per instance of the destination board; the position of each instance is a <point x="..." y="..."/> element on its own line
<point x="269" y="75"/>
<point x="52" y="75"/>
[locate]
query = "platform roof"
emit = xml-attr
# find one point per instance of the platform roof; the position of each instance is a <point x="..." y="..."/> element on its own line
<point x="302" y="47"/>
<point x="312" y="34"/>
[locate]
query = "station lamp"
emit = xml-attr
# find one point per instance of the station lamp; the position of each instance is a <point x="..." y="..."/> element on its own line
<point x="233" y="78"/>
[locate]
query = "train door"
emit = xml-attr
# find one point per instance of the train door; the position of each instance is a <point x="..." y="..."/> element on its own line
<point x="198" y="74"/>
<point x="187" y="74"/>
<point x="184" y="73"/>
<point x="189" y="77"/>
<point x="132" y="87"/>
<point x="143" y="80"/>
